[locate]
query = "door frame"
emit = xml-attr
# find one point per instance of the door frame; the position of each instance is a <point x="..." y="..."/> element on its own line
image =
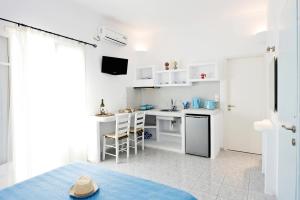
<point x="224" y="84"/>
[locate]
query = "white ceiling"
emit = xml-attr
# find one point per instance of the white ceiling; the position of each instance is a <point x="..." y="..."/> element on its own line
<point x="151" y="14"/>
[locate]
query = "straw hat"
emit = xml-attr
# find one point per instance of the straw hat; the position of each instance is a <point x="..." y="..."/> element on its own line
<point x="84" y="186"/>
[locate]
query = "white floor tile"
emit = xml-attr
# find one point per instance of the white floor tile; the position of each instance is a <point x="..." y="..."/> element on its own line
<point x="235" y="181"/>
<point x="232" y="193"/>
<point x="231" y="176"/>
<point x="260" y="196"/>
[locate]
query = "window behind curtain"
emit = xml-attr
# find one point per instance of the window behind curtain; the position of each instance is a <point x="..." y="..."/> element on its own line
<point x="48" y="102"/>
<point x="4" y="100"/>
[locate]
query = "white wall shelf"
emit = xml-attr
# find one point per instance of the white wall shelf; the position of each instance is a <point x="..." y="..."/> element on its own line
<point x="167" y="145"/>
<point x="171" y="78"/>
<point x="204" y="80"/>
<point x="150" y="126"/>
<point x="210" y="70"/>
<point x="170" y="134"/>
<point x="149" y="77"/>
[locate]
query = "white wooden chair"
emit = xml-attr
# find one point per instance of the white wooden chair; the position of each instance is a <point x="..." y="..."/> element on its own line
<point x="121" y="134"/>
<point x="137" y="132"/>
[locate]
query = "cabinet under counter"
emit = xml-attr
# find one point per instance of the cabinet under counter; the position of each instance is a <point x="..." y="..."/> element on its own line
<point x="170" y="137"/>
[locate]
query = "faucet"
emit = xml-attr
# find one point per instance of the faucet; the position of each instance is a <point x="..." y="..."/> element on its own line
<point x="173" y="105"/>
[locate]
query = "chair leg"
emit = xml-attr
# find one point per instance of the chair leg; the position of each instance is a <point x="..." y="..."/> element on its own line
<point x="104" y="148"/>
<point x="127" y="151"/>
<point x="143" y="141"/>
<point x="117" y="150"/>
<point x="135" y="143"/>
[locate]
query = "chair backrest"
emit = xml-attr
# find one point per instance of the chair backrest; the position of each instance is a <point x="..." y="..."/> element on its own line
<point x="122" y="124"/>
<point x="139" y="121"/>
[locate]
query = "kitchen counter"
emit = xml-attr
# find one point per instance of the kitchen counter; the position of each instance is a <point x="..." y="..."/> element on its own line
<point x="181" y="113"/>
<point x="158" y="112"/>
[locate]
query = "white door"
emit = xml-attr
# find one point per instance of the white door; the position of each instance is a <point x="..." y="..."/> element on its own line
<point x="246" y="102"/>
<point x="288" y="73"/>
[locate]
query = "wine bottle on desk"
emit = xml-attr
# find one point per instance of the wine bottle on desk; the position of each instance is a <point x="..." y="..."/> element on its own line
<point x="102" y="108"/>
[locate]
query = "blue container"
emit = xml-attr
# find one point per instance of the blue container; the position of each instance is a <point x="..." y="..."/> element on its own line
<point x="146" y="107"/>
<point x="210" y="104"/>
<point x="196" y="103"/>
<point x="186" y="104"/>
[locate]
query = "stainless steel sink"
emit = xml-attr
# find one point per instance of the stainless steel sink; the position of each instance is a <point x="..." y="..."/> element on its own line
<point x="168" y="110"/>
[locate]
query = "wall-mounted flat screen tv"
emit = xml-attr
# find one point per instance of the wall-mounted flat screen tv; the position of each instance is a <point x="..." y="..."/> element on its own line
<point x="114" y="66"/>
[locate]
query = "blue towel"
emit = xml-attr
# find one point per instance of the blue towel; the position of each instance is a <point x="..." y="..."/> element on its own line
<point x="147" y="135"/>
<point x="54" y="185"/>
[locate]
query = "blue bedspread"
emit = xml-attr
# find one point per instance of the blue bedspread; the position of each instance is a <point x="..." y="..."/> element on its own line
<point x="55" y="185"/>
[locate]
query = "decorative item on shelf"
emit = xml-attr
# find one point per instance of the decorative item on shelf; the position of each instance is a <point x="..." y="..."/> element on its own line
<point x="186" y="104"/>
<point x="102" y="107"/>
<point x="167" y="65"/>
<point x="175" y="65"/>
<point x="203" y="75"/>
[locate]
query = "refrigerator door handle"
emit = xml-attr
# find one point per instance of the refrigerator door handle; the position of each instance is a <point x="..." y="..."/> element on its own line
<point x="194" y="116"/>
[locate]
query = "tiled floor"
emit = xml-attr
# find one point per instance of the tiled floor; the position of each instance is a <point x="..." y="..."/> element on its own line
<point x="231" y="176"/>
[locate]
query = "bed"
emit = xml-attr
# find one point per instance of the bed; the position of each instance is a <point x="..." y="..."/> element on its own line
<point x="54" y="185"/>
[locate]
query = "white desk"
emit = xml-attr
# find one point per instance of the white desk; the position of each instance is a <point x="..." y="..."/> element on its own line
<point x="102" y="125"/>
<point x="97" y="129"/>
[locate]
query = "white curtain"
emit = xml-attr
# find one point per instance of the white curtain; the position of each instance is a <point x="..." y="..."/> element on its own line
<point x="3" y="101"/>
<point x="3" y="114"/>
<point x="47" y="108"/>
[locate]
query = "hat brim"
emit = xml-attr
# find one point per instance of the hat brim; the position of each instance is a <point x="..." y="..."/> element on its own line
<point x="72" y="192"/>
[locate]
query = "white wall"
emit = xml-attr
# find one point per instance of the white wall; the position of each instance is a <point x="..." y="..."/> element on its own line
<point x="274" y="12"/>
<point x="212" y="38"/>
<point x="78" y="22"/>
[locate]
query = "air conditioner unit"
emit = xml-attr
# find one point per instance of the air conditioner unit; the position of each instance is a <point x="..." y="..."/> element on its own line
<point x="114" y="37"/>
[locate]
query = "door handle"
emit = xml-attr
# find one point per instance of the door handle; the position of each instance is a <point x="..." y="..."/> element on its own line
<point x="229" y="107"/>
<point x="291" y="128"/>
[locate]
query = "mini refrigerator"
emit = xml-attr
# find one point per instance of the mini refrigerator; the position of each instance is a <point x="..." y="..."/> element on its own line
<point x="197" y="135"/>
